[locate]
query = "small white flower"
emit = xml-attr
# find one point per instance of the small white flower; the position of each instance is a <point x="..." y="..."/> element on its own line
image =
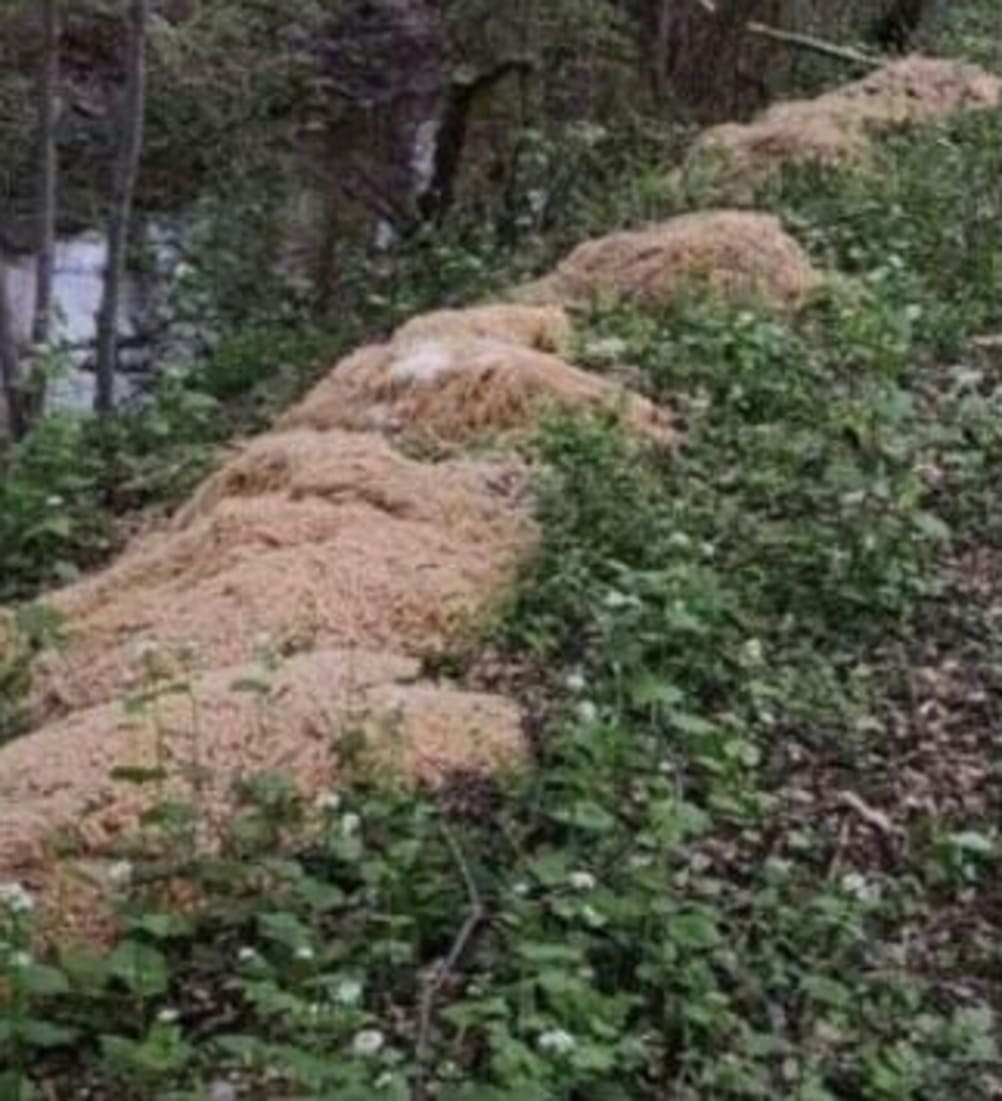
<point x="616" y="599"/>
<point x="859" y="887"/>
<point x="168" y="1016"/>
<point x="853" y="883"/>
<point x="120" y="873"/>
<point x="54" y="501"/>
<point x="520" y="889"/>
<point x="587" y="711"/>
<point x="247" y="955"/>
<point x="348" y="992"/>
<point x="592" y="917"/>
<point x="557" y="1041"/>
<point x="350" y="824"/>
<point x="754" y="652"/>
<point x="305" y="953"/>
<point x="575" y="681"/>
<point x="536" y="199"/>
<point x="368" y="1042"/>
<point x="328" y="801"/>
<point x="581" y="881"/>
<point x="666" y="767"/>
<point x="20" y="959"/>
<point x="15" y="898"/>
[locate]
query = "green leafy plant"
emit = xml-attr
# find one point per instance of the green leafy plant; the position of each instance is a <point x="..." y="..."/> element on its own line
<point x="751" y="857"/>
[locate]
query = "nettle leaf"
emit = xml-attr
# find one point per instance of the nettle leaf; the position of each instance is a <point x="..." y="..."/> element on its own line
<point x="648" y="690"/>
<point x="675" y="820"/>
<point x="45" y="1034"/>
<point x="58" y="526"/>
<point x="161" y="926"/>
<point x="42" y="981"/>
<point x="142" y="969"/>
<point x="972" y="843"/>
<point x="826" y="991"/>
<point x="588" y="816"/>
<point x="241" y="1047"/>
<point x="395" y="952"/>
<point x="309" y="1069"/>
<point x="319" y="896"/>
<point x="285" y="929"/>
<point x="742" y="751"/>
<point x="86" y="968"/>
<point x="695" y="726"/>
<point x="467" y="1013"/>
<point x="551" y="868"/>
<point x="694" y="929"/>
<point x="543" y="955"/>
<point x="561" y="983"/>
<point x="931" y="526"/>
<point x="162" y="1052"/>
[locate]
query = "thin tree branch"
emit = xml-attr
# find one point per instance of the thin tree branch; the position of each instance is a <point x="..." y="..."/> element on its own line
<point x="872" y="817"/>
<point x="436" y="980"/>
<point x="817" y="45"/>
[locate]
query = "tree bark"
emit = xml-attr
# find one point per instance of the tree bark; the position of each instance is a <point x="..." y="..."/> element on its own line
<point x="126" y="170"/>
<point x="48" y="168"/>
<point x="659" y="56"/>
<point x="10" y="364"/>
<point x="48" y="90"/>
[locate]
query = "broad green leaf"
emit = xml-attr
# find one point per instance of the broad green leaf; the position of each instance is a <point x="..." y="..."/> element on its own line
<point x="141" y="968"/>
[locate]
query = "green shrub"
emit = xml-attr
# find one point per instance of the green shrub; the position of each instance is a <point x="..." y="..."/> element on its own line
<point x="629" y="918"/>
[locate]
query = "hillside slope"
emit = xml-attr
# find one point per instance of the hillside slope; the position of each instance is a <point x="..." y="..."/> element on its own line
<point x="713" y="811"/>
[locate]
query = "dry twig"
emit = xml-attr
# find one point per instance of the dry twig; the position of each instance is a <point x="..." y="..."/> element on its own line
<point x="817" y="45"/>
<point x="872" y="817"/>
<point x="437" y="978"/>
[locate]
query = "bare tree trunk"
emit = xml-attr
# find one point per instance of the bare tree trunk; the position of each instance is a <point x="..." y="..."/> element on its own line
<point x="126" y="170"/>
<point x="659" y="59"/>
<point x="10" y="364"/>
<point x="48" y="91"/>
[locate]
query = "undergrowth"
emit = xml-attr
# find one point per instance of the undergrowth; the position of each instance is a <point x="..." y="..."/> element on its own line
<point x="715" y="881"/>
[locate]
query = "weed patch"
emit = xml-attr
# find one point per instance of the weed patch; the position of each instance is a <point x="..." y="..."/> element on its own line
<point x="758" y="853"/>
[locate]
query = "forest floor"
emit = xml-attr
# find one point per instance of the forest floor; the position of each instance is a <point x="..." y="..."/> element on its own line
<point x="757" y="851"/>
